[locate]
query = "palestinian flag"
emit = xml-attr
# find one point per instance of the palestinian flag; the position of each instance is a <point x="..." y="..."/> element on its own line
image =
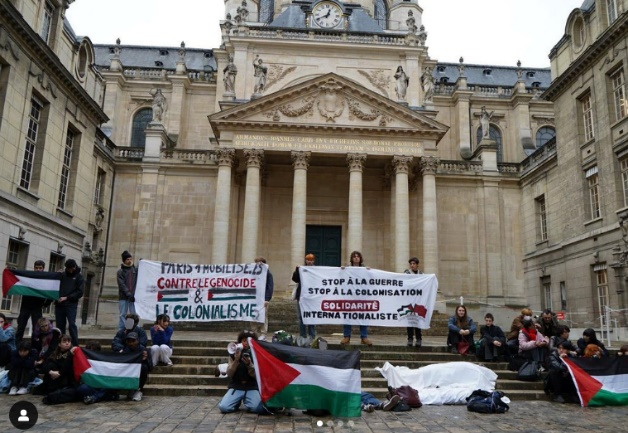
<point x="303" y="378"/>
<point x="30" y="283"/>
<point x="600" y="382"/>
<point x="107" y="370"/>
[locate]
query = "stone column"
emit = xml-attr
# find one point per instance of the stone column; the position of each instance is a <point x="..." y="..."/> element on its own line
<point x="254" y="159"/>
<point x="402" y="212"/>
<point x="220" y="245"/>
<point x="429" y="164"/>
<point x="354" y="232"/>
<point x="300" y="163"/>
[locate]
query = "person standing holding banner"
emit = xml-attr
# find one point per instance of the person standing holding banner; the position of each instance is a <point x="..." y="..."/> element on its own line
<point x="414" y="270"/>
<point x="127" y="281"/>
<point x="356" y="260"/>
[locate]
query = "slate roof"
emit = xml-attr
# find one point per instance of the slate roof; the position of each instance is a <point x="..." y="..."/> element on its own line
<point x="145" y="57"/>
<point x="504" y="76"/>
<point x="587" y="4"/>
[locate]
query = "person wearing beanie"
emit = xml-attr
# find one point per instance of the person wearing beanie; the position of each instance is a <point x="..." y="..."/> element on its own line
<point x="411" y="331"/>
<point x="127" y="281"/>
<point x="71" y="289"/>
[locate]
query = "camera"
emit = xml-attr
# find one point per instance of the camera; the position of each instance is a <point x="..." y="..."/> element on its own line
<point x="246" y="353"/>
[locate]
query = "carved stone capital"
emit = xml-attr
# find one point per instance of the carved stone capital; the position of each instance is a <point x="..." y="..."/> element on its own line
<point x="254" y="157"/>
<point x="401" y="164"/>
<point x="429" y="164"/>
<point x="225" y="157"/>
<point x="300" y="159"/>
<point x="356" y="161"/>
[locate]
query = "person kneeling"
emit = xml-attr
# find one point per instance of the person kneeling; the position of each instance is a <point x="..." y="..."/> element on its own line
<point x="243" y="386"/>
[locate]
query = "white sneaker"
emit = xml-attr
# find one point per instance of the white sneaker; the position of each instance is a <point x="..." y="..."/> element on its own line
<point x="13" y="390"/>
<point x="22" y="391"/>
<point x="137" y="396"/>
<point x="262" y="337"/>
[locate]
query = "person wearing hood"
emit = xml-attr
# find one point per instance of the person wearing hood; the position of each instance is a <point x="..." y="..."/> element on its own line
<point x="127" y="281"/>
<point x="70" y="291"/>
<point x="45" y="340"/>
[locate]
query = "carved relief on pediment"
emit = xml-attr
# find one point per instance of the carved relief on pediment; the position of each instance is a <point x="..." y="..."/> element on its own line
<point x="276" y="73"/>
<point x="377" y="78"/>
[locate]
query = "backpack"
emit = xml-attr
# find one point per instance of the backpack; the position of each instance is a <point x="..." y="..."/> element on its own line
<point x="530" y="371"/>
<point x="486" y="402"/>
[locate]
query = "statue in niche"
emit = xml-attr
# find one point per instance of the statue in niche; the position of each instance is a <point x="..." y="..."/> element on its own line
<point x="230" y="72"/>
<point x="242" y="12"/>
<point x="159" y="105"/>
<point x="401" y="87"/>
<point x="422" y="35"/>
<point x="411" y="23"/>
<point x="427" y="82"/>
<point x="261" y="72"/>
<point x="485" y="119"/>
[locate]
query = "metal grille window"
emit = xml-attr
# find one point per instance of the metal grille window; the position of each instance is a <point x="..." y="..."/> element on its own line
<point x="563" y="296"/>
<point x="602" y="290"/>
<point x="140" y="121"/>
<point x="381" y="14"/>
<point x="587" y="118"/>
<point x="594" y="192"/>
<point x="16" y="259"/>
<point x="541" y="218"/>
<point x="46" y="26"/>
<point x="611" y="10"/>
<point x="31" y="142"/>
<point x="544" y="134"/>
<point x="266" y="11"/>
<point x="65" y="169"/>
<point x="100" y="186"/>
<point x="619" y="94"/>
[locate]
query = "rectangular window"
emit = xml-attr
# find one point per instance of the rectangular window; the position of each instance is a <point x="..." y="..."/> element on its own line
<point x="16" y="259"/>
<point x="619" y="94"/>
<point x="563" y="296"/>
<point x="66" y="169"/>
<point x="541" y="218"/>
<point x="602" y="290"/>
<point x="99" y="190"/>
<point x="546" y="292"/>
<point x="611" y="10"/>
<point x="587" y="118"/>
<point x="594" y="192"/>
<point x="623" y="164"/>
<point x="31" y="142"/>
<point x="46" y="26"/>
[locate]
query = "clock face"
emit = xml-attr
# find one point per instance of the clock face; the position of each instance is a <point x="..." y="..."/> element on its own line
<point x="327" y="15"/>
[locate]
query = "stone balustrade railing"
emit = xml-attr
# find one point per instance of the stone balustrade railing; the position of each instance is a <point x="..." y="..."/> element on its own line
<point x="189" y="155"/>
<point x="329" y="36"/>
<point x="539" y="156"/>
<point x="460" y="166"/>
<point x="129" y="153"/>
<point x="508" y="167"/>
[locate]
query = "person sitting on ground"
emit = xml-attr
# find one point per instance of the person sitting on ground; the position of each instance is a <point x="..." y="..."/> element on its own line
<point x="44" y="340"/>
<point x="91" y="395"/>
<point x="588" y="337"/>
<point x="243" y="386"/>
<point x="560" y="382"/>
<point x="532" y="344"/>
<point x="562" y="336"/>
<point x="370" y="403"/>
<point x="7" y="341"/>
<point x="547" y="323"/>
<point x="512" y="338"/>
<point x="132" y="344"/>
<point x="58" y="373"/>
<point x="461" y="328"/>
<point x="131" y="324"/>
<point x="623" y="350"/>
<point x="161" y="337"/>
<point x="22" y="368"/>
<point x="492" y="340"/>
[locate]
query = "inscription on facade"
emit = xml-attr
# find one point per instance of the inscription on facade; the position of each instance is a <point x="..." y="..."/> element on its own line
<point x="327" y="144"/>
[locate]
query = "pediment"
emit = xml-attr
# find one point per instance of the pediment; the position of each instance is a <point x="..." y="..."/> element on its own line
<point x="328" y="102"/>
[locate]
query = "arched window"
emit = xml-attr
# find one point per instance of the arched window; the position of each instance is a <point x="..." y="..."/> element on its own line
<point x="381" y="14"/>
<point x="494" y="134"/>
<point x="544" y="134"/>
<point x="266" y="11"/>
<point x="140" y="121"/>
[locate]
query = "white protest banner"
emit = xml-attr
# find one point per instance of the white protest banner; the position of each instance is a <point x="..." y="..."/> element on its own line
<point x="201" y="293"/>
<point x="360" y="296"/>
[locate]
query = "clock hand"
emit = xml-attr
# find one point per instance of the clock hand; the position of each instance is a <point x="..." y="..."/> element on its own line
<point x="328" y="13"/>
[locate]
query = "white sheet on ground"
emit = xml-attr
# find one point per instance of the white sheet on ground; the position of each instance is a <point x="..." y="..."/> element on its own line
<point x="447" y="383"/>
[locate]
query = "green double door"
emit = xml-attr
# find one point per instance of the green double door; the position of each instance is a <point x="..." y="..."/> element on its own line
<point x="325" y="242"/>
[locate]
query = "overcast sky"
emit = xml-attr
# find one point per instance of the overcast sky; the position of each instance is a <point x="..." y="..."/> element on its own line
<point x="496" y="32"/>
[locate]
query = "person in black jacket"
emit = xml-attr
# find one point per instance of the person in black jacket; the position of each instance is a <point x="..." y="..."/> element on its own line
<point x="22" y="368"/>
<point x="307" y="333"/>
<point x="127" y="282"/>
<point x="559" y="379"/>
<point x="492" y="340"/>
<point x="70" y="291"/>
<point x="31" y="306"/>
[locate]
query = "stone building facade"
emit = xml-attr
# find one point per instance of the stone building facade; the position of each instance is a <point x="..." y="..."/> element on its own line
<point x="319" y="126"/>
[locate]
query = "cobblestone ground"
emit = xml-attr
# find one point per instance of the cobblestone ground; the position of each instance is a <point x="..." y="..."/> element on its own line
<point x="201" y="414"/>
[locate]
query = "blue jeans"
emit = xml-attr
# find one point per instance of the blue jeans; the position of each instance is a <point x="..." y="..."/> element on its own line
<point x="369" y="399"/>
<point x="305" y="330"/>
<point x="364" y="331"/>
<point x="234" y="397"/>
<point x="67" y="311"/>
<point x="125" y="307"/>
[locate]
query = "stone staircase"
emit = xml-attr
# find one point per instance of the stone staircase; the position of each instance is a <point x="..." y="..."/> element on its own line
<point x="195" y="358"/>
